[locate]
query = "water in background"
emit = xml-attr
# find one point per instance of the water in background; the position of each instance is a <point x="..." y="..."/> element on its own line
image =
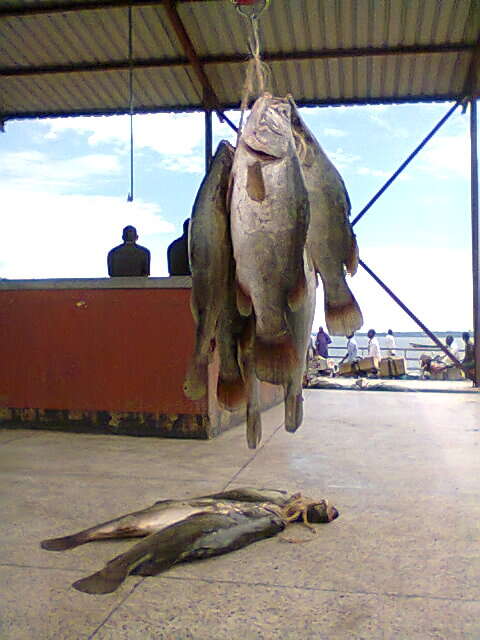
<point x="338" y="348"/>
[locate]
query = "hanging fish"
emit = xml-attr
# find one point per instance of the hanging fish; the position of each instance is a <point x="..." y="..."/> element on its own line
<point x="300" y="324"/>
<point x="269" y="212"/>
<point x="330" y="241"/>
<point x="209" y="254"/>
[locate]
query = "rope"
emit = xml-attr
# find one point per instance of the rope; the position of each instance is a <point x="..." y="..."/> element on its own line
<point x="258" y="73"/>
<point x="130" y="90"/>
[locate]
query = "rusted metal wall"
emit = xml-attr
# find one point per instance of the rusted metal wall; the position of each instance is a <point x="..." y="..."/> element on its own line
<point x="111" y="349"/>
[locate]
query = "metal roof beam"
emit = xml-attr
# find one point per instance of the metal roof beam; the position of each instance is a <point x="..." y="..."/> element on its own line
<point x="63" y="7"/>
<point x="201" y="62"/>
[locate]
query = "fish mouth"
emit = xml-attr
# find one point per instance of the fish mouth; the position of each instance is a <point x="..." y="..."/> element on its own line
<point x="261" y="155"/>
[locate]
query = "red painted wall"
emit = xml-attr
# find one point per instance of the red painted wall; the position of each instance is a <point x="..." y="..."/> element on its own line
<point x="104" y="349"/>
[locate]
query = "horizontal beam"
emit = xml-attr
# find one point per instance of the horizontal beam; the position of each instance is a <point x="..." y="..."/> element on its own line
<point x="233" y="106"/>
<point x="68" y="7"/>
<point x="298" y="56"/>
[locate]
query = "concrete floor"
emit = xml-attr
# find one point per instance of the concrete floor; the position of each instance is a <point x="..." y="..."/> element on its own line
<point x="402" y="561"/>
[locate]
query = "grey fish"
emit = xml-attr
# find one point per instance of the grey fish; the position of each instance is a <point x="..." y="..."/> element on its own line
<point x="269" y="213"/>
<point x="209" y="254"/>
<point x="330" y="241"/>
<point x="300" y="323"/>
<point x="202" y="535"/>
<point x="162" y="514"/>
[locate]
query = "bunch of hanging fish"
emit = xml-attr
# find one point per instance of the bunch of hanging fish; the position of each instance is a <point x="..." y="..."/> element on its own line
<point x="269" y="216"/>
<point x="195" y="528"/>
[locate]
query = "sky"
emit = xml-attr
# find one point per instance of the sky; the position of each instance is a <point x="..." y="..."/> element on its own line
<point x="64" y="185"/>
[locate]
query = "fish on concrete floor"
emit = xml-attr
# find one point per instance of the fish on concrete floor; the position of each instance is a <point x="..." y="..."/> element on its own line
<point x="202" y="527"/>
<point x="331" y="242"/>
<point x="209" y="254"/>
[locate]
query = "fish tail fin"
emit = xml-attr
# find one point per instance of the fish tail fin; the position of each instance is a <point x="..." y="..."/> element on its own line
<point x="195" y="384"/>
<point x="297" y="295"/>
<point x="106" y="580"/>
<point x="254" y="427"/>
<point x="231" y="394"/>
<point x="275" y="360"/>
<point x="67" y="542"/>
<point x="342" y="313"/>
<point x="293" y="410"/>
<point x="351" y="263"/>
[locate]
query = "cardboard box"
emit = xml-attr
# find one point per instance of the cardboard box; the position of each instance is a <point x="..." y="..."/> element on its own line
<point x="392" y="367"/>
<point x="367" y="364"/>
<point x="345" y="369"/>
<point x="454" y="373"/>
<point x="320" y="363"/>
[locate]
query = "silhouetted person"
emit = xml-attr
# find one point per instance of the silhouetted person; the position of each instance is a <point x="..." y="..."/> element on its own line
<point x="321" y="343"/>
<point x="177" y="254"/>
<point x="129" y="258"/>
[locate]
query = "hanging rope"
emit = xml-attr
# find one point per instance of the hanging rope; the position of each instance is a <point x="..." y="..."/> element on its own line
<point x="130" y="90"/>
<point x="258" y="73"/>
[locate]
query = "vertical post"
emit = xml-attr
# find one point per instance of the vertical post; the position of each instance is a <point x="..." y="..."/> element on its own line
<point x="208" y="139"/>
<point x="475" y="237"/>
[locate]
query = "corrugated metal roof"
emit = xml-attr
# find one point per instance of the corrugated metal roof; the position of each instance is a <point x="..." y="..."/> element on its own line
<point x="59" y="57"/>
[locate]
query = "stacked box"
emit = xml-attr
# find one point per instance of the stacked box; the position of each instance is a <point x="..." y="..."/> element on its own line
<point x="345" y="369"/>
<point x="320" y="363"/>
<point x="454" y="373"/>
<point x="367" y="364"/>
<point x="392" y="367"/>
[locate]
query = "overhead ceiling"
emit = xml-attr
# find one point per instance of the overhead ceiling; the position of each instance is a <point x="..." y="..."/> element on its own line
<point x="64" y="57"/>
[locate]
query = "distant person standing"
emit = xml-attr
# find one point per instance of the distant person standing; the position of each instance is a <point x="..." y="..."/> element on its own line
<point x="129" y="258"/>
<point x="453" y="347"/>
<point x="468" y="361"/>
<point x="177" y="254"/>
<point x="390" y="344"/>
<point x="321" y="343"/>
<point x="373" y="346"/>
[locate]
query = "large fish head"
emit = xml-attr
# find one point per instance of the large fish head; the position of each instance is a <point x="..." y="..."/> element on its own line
<point x="268" y="129"/>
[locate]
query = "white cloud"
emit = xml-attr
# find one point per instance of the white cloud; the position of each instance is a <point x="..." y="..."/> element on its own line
<point x="165" y="133"/>
<point x="34" y="169"/>
<point x="365" y="171"/>
<point x="335" y="133"/>
<point x="184" y="164"/>
<point x="447" y="157"/>
<point x="436" y="284"/>
<point x="69" y="235"/>
<point x="342" y="159"/>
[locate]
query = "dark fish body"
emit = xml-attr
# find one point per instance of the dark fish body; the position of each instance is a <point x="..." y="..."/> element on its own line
<point x="300" y="323"/>
<point x="200" y="536"/>
<point x="163" y="514"/>
<point x="269" y="213"/>
<point x="331" y="242"/>
<point x="209" y="254"/>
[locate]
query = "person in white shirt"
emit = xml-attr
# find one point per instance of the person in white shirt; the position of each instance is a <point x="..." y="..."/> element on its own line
<point x="352" y="350"/>
<point x="390" y="344"/>
<point x="373" y="346"/>
<point x="454" y="350"/>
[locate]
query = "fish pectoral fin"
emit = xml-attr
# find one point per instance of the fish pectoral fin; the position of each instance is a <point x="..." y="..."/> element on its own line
<point x="244" y="303"/>
<point x="297" y="295"/>
<point x="351" y="263"/>
<point x="255" y="182"/>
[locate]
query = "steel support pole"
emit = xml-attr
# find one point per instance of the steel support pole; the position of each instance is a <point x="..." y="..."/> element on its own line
<point x="208" y="139"/>
<point x="475" y="238"/>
